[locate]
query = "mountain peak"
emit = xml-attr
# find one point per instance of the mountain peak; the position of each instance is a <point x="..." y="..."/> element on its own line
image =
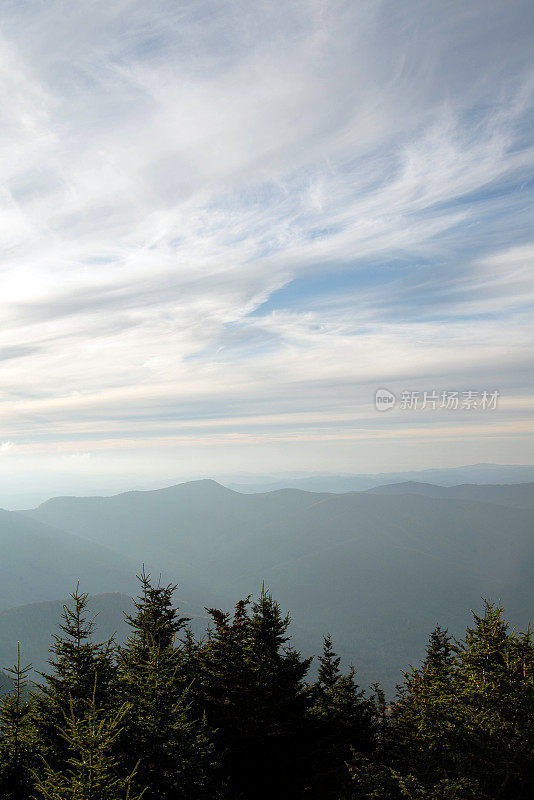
<point x="202" y="485"/>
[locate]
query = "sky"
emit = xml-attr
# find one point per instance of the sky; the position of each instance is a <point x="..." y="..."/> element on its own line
<point x="225" y="225"/>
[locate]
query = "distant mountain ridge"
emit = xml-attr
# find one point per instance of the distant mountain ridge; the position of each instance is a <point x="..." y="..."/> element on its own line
<point x="515" y="495"/>
<point x="376" y="569"/>
<point x="473" y="473"/>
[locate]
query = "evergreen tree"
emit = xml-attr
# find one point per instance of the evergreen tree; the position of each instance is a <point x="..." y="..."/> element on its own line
<point x="372" y="781"/>
<point x="329" y="673"/>
<point x="344" y="722"/>
<point x="465" y="718"/>
<point x="257" y="701"/>
<point x="158" y="722"/>
<point x="380" y="716"/>
<point x="77" y="663"/>
<point x="189" y="654"/>
<point x="18" y="746"/>
<point x="91" y="771"/>
<point x="225" y="694"/>
<point x="160" y="728"/>
<point x="282" y="700"/>
<point x="496" y="676"/>
<point x="430" y="726"/>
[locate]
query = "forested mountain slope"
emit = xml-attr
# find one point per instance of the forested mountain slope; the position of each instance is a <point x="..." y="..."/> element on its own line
<point x="40" y="562"/>
<point x="377" y="571"/>
<point x="519" y="495"/>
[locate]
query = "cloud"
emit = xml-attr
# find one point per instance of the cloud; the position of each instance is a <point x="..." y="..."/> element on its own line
<point x="178" y="171"/>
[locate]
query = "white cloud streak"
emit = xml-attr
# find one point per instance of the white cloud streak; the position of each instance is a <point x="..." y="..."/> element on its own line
<point x="170" y="170"/>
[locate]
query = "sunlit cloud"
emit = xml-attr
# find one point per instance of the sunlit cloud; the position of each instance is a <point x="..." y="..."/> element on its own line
<point x="215" y="212"/>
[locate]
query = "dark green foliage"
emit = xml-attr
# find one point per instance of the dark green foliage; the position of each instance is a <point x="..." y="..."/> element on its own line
<point x="257" y="700"/>
<point x="329" y="672"/>
<point x="376" y="781"/>
<point x="495" y="673"/>
<point x="344" y="721"/>
<point x="78" y="665"/>
<point x="429" y="719"/>
<point x="463" y="723"/>
<point x="233" y="716"/>
<point x="160" y="728"/>
<point x="17" y="737"/>
<point x="92" y="768"/>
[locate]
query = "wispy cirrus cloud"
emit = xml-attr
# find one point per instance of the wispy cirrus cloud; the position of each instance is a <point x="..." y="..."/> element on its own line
<point x="215" y="210"/>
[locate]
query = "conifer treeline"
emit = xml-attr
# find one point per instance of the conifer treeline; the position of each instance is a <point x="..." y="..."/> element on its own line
<point x="235" y="716"/>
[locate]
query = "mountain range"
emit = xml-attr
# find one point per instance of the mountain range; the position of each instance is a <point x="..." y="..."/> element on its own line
<point x="516" y="495"/>
<point x="377" y="569"/>
<point x="450" y="476"/>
